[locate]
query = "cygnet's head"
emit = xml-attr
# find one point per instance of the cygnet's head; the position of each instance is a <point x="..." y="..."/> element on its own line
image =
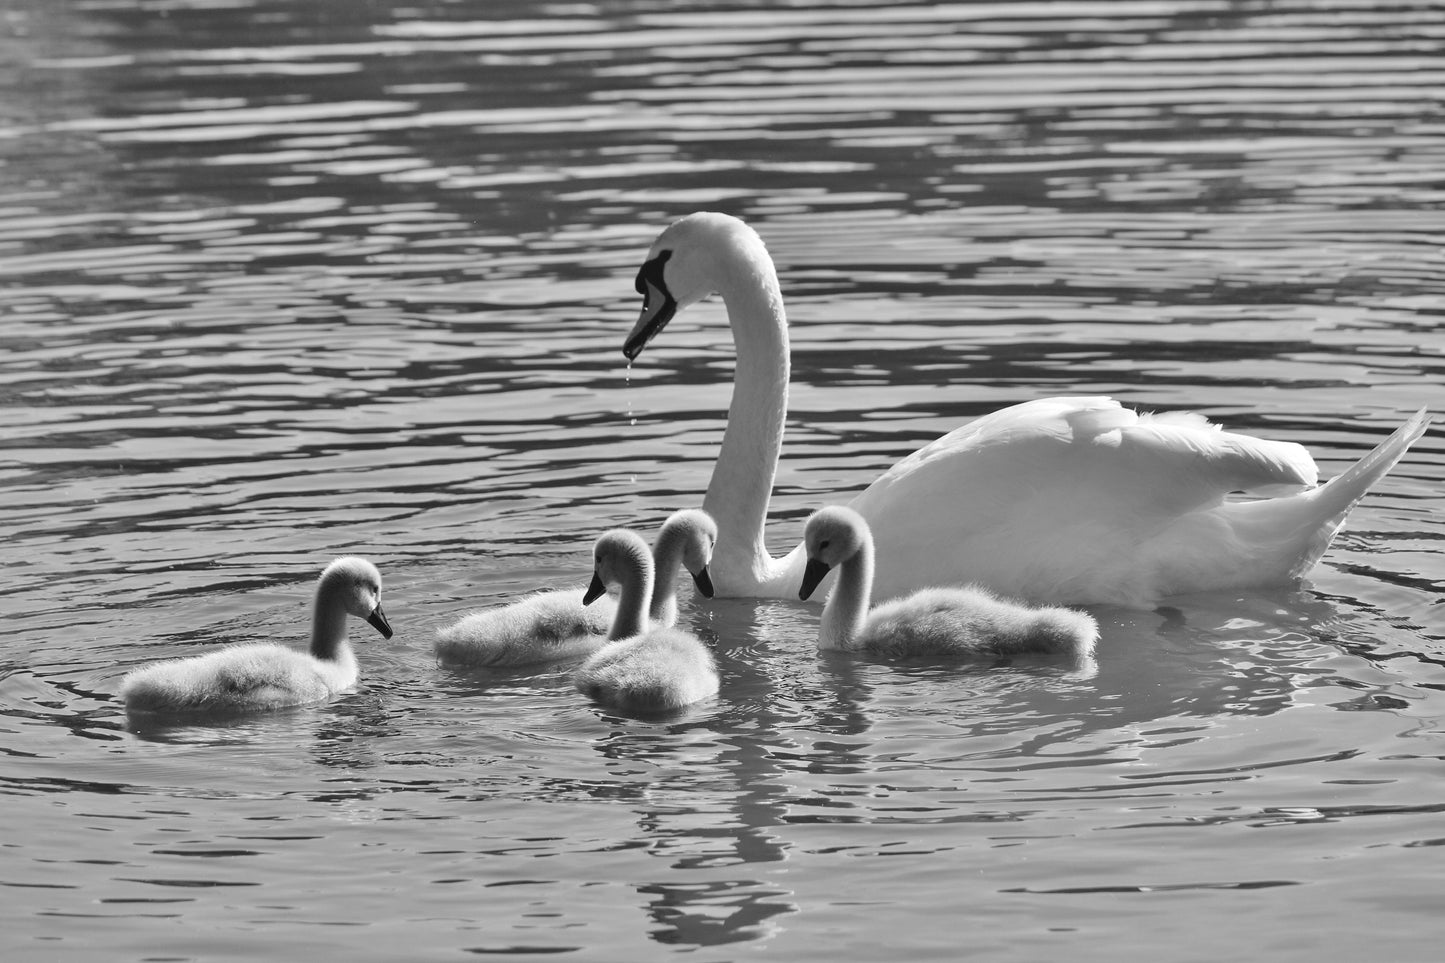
<point x="357" y="584"/>
<point x="685" y="265"/>
<point x="831" y="537"/>
<point x="697" y="533"/>
<point x="619" y="557"/>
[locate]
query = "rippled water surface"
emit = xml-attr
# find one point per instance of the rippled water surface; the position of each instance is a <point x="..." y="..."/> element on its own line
<point x="290" y="279"/>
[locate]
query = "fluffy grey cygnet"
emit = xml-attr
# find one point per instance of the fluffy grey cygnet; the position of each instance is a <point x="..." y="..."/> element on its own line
<point x="268" y="675"/>
<point x="555" y="625"/>
<point x="643" y="669"/>
<point x="966" y="621"/>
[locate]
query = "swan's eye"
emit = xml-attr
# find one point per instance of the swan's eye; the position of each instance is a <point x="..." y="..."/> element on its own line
<point x="824" y="543"/>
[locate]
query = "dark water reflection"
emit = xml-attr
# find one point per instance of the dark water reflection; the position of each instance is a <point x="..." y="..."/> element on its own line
<point x="282" y="280"/>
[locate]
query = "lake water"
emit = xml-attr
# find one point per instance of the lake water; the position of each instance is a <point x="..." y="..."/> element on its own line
<point x="285" y="280"/>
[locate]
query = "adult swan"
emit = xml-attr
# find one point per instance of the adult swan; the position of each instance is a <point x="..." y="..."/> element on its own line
<point x="1059" y="500"/>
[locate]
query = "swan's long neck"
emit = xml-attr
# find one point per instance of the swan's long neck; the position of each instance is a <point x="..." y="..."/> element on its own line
<point x="847" y="608"/>
<point x="632" y="600"/>
<point x="328" y="622"/>
<point x="742" y="481"/>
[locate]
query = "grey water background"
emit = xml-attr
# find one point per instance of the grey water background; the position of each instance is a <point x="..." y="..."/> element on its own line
<point x="285" y="280"/>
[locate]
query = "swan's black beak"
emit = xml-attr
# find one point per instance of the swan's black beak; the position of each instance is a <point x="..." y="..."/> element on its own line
<point x="812" y="575"/>
<point x="594" y="591"/>
<point x="658" y="306"/>
<point x="703" y="581"/>
<point x="377" y="620"/>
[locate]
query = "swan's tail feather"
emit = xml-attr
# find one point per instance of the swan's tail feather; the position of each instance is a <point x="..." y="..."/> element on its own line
<point x="1331" y="503"/>
<point x="1344" y="491"/>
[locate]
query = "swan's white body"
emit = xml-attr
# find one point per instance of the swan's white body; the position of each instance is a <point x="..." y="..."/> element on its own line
<point x="556" y="625"/>
<point x="958" y="622"/>
<point x="266" y="675"/>
<point x="642" y="669"/>
<point x="1055" y="500"/>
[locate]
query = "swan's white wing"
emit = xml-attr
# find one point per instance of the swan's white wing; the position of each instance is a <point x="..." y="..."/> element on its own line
<point x="1096" y="450"/>
<point x="1050" y="499"/>
<point x="1188" y="463"/>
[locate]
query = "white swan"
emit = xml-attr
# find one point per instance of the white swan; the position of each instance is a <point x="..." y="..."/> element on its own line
<point x="555" y="625"/>
<point x="643" y="669"/>
<point x="267" y="675"/>
<point x="967" y="621"/>
<point x="1054" y="500"/>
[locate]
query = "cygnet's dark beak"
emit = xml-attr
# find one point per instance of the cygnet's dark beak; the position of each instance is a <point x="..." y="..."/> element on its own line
<point x="703" y="581"/>
<point x="378" y="621"/>
<point x="594" y="591"/>
<point x="658" y="306"/>
<point x="812" y="575"/>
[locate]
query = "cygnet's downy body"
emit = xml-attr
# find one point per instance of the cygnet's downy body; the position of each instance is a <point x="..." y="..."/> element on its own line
<point x="556" y="625"/>
<point x="642" y="669"/>
<point x="268" y="675"/>
<point x="964" y="622"/>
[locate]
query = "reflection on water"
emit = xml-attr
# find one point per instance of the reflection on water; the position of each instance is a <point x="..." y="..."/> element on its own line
<point x="280" y="281"/>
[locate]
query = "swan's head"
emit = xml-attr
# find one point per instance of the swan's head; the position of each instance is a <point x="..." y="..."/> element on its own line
<point x="686" y="264"/>
<point x="696" y="531"/>
<point x="356" y="583"/>
<point x="831" y="537"/>
<point x="619" y="557"/>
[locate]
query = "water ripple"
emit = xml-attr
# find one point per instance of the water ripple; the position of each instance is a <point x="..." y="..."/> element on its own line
<point x="283" y="281"/>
